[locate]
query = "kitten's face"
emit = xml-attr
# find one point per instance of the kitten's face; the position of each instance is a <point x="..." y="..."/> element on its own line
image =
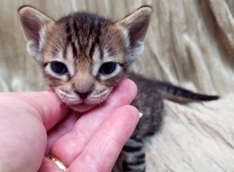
<point x="83" y="56"/>
<point x="83" y="71"/>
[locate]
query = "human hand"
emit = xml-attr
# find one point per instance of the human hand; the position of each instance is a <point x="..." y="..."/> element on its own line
<point x="93" y="143"/>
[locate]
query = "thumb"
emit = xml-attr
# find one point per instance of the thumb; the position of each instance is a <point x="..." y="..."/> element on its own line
<point x="44" y="105"/>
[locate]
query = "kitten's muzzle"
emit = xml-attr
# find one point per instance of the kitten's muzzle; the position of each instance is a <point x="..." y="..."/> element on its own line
<point x="83" y="95"/>
<point x="83" y="89"/>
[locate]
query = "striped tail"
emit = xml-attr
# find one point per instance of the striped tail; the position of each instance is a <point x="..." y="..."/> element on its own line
<point x="182" y="95"/>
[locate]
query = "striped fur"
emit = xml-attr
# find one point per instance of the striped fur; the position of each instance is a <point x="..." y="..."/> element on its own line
<point x="83" y="56"/>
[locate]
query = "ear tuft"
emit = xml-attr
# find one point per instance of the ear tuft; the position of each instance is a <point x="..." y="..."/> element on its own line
<point x="136" y="25"/>
<point x="33" y="24"/>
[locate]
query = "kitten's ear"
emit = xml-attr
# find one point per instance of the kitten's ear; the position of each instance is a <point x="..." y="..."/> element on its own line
<point x="136" y="25"/>
<point x="34" y="23"/>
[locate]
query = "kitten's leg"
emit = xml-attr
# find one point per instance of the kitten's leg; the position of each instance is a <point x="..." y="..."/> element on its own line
<point x="133" y="155"/>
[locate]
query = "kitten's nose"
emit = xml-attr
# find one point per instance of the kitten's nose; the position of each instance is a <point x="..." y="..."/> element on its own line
<point x="83" y="95"/>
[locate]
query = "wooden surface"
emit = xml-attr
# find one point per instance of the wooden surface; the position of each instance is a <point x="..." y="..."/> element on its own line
<point x="189" y="43"/>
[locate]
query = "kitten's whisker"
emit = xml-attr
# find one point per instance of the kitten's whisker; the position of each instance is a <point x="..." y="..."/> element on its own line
<point x="111" y="39"/>
<point x="107" y="107"/>
<point x="60" y="103"/>
<point x="105" y="39"/>
<point x="57" y="46"/>
<point x="59" y="39"/>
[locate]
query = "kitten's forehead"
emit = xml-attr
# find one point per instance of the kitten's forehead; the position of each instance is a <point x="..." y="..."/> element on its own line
<point x="83" y="33"/>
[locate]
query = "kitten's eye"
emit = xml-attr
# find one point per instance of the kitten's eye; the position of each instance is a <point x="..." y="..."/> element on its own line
<point x="59" y="68"/>
<point x="107" y="68"/>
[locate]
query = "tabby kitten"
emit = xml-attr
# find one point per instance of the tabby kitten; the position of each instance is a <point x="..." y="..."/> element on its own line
<point x="83" y="56"/>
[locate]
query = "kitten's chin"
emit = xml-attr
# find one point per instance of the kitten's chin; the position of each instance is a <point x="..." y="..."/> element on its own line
<point x="81" y="108"/>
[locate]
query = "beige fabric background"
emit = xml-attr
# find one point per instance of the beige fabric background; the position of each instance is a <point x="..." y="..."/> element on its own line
<point x="189" y="43"/>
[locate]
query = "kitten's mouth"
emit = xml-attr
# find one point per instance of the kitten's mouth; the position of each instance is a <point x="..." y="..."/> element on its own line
<point x="82" y="107"/>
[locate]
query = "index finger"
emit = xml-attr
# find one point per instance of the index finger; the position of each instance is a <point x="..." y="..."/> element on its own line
<point x="103" y="149"/>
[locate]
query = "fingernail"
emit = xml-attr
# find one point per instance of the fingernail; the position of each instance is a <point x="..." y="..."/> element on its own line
<point x="140" y="114"/>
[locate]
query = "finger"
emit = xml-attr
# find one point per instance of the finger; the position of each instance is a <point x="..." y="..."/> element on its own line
<point x="61" y="129"/>
<point x="49" y="166"/>
<point x="49" y="106"/>
<point x="102" y="151"/>
<point x="70" y="145"/>
<point x="43" y="105"/>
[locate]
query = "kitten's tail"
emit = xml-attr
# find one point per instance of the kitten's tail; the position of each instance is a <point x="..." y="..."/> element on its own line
<point x="181" y="95"/>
